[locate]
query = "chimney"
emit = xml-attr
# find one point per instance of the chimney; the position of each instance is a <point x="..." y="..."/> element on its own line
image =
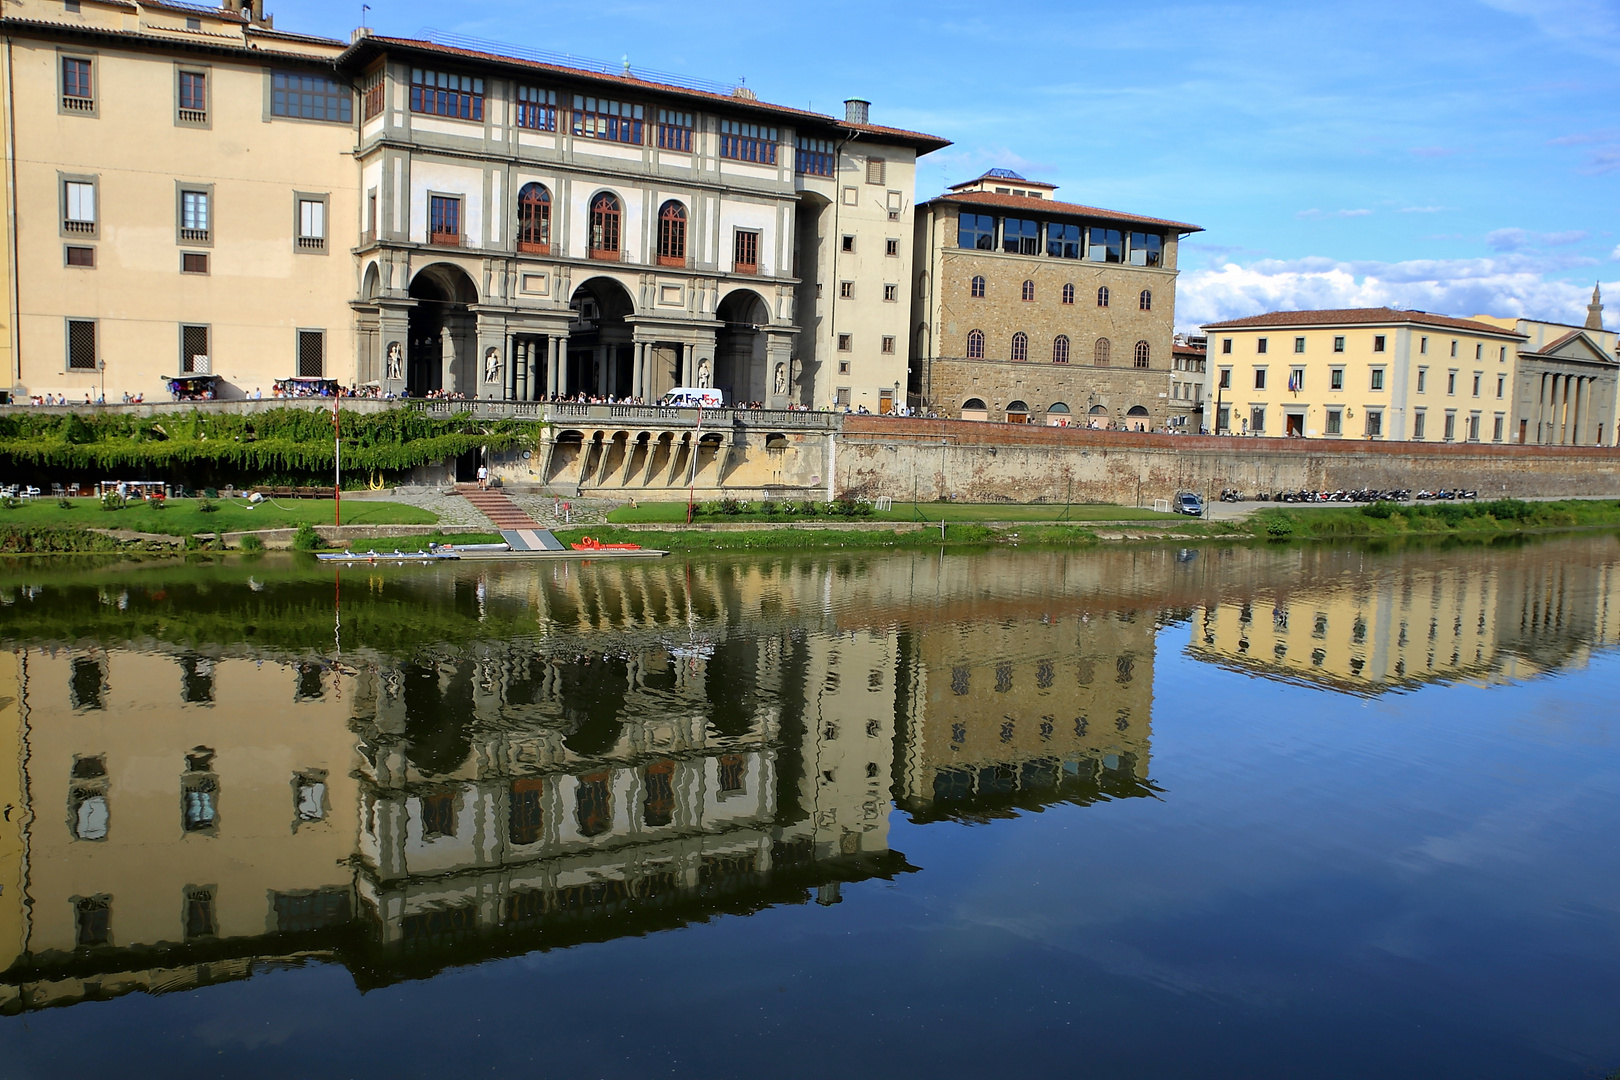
<point x="857" y="111"/>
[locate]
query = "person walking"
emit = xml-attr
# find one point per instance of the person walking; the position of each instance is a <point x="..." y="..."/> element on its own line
<point x="483" y="476"/>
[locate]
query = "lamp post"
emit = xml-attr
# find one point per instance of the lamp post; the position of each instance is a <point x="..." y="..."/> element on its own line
<point x="101" y="367"/>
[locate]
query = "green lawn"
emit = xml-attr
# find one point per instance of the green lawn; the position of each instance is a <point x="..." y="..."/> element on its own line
<point x="182" y="517"/>
<point x="675" y="513"/>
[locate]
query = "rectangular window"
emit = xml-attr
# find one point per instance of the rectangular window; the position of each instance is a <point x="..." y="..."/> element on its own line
<point x="194" y="355"/>
<point x="444" y="220"/>
<point x="1225" y="378"/>
<point x="1296" y="379"/>
<point x="844" y="343"/>
<point x="675" y="131"/>
<point x="537" y="109"/>
<point x="1262" y="346"/>
<point x="891" y="248"/>
<point x="312" y="353"/>
<point x="1479" y="352"/>
<point x="80" y="256"/>
<point x="1020" y="236"/>
<point x="1259" y="378"/>
<point x="1106" y="245"/>
<point x="81" y="345"/>
<point x="441" y="93"/>
<point x="1419" y="423"/>
<point x="1147" y="249"/>
<point x="1473" y="428"/>
<point x="1451" y="382"/>
<point x="745" y="251"/>
<point x="843" y="367"/>
<point x="92" y="922"/>
<point x="815" y="157"/>
<point x="852" y="196"/>
<point x="849" y="243"/>
<point x="1378" y="343"/>
<point x="888" y="346"/>
<point x="1476" y="384"/>
<point x="1377" y="378"/>
<point x="1496" y="428"/>
<point x="77" y="88"/>
<point x="1501" y="385"/>
<point x="1451" y="426"/>
<point x="1375" y="423"/>
<point x="195" y="226"/>
<point x="311" y="225"/>
<point x="1501" y="354"/>
<point x="194" y="262"/>
<point x="846" y="290"/>
<point x="1453" y="348"/>
<point x="1338" y="344"/>
<point x="1336" y="378"/>
<point x="1226" y="345"/>
<point x="1423" y="346"/>
<point x="841" y="396"/>
<point x="747" y="142"/>
<point x="201" y="920"/>
<point x="1299" y="344"/>
<point x="976" y="232"/>
<point x="303" y="96"/>
<point x="193" y="106"/>
<point x="372" y="95"/>
<point x="891" y="293"/>
<point x="1257" y="420"/>
<point x="1335" y="422"/>
<point x="79" y="207"/>
<point x="876" y="169"/>
<point x="1423" y="379"/>
<point x="1062" y="240"/>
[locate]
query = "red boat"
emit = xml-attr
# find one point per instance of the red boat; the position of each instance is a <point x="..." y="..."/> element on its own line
<point x="588" y="544"/>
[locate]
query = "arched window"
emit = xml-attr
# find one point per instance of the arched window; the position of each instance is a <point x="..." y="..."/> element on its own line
<point x="1068" y="293"/>
<point x="974" y="409"/>
<point x="1099" y="354"/>
<point x="1145" y="301"/>
<point x="1143" y="354"/>
<point x="1029" y="291"/>
<point x="978" y="288"/>
<point x="672" y="234"/>
<point x="1102" y="296"/>
<point x="975" y="345"/>
<point x="1020" y="346"/>
<point x="534" y="219"/>
<point x="605" y="217"/>
<point x="1060" y="349"/>
<point x="1017" y="412"/>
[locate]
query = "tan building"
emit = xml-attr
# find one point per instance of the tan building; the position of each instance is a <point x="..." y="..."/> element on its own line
<point x="1567" y="381"/>
<point x="181" y="183"/>
<point x="1361" y="373"/>
<point x="1189" y="367"/>
<point x="1031" y="310"/>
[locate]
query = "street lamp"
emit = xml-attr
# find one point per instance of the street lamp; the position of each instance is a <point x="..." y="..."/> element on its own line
<point x="101" y="366"/>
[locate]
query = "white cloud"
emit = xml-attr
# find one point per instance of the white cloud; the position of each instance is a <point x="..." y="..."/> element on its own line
<point x="1423" y="209"/>
<point x="1314" y="213"/>
<point x="1511" y="285"/>
<point x="1615" y="254"/>
<point x="1589" y="26"/>
<point x="1524" y="239"/>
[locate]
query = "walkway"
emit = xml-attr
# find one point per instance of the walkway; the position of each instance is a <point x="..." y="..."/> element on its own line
<point x="497" y="507"/>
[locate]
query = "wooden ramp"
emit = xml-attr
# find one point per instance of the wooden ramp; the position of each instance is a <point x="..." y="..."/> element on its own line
<point x="531" y="540"/>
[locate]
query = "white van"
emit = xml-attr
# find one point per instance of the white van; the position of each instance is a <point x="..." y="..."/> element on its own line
<point x="694" y="396"/>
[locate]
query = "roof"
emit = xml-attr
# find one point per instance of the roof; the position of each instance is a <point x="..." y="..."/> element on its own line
<point x="373" y="45"/>
<point x="1551" y="347"/>
<point x="1379" y="316"/>
<point x="1052" y="206"/>
<point x="1004" y="176"/>
<point x="170" y="40"/>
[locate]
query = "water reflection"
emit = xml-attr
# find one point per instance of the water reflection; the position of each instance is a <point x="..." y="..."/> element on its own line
<point x="406" y="771"/>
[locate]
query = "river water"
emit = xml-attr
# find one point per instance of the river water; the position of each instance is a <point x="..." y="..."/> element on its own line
<point x="1144" y="812"/>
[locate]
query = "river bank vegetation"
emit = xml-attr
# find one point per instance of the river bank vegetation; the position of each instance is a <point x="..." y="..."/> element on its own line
<point x="184" y="517"/>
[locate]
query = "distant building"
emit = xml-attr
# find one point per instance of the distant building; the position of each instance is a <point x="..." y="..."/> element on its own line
<point x="1031" y="310"/>
<point x="1565" y="386"/>
<point x="1361" y="373"/>
<point x="1189" y="355"/>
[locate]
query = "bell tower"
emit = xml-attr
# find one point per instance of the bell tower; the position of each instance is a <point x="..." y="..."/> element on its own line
<point x="1594" y="310"/>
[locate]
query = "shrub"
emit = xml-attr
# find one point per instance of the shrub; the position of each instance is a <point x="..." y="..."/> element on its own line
<point x="65" y="503"/>
<point x="770" y="508"/>
<point x="1381" y="509"/>
<point x="849" y="508"/>
<point x="808" y="508"/>
<point x="252" y="543"/>
<point x="112" y="501"/>
<point x="207" y="506"/>
<point x="1279" y="527"/>
<point x="157" y="504"/>
<point x="732" y="507"/>
<point x="307" y="539"/>
<point x="10" y="502"/>
<point x="1508" y="509"/>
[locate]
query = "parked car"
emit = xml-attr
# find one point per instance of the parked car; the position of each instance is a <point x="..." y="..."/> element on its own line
<point x="1188" y="503"/>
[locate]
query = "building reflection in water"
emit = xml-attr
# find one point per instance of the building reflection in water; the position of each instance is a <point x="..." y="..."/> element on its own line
<point x="585" y="753"/>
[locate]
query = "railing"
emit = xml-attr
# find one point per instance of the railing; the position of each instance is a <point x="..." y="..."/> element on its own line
<point x="626" y="415"/>
<point x="311" y="243"/>
<point x="78" y="226"/>
<point x="75" y="103"/>
<point x="193" y="116"/>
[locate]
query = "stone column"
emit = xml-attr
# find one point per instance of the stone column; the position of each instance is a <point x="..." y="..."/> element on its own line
<point x="562" y="365"/>
<point x="1565" y="420"/>
<point x="393" y="344"/>
<point x="682" y="351"/>
<point x="635" y="368"/>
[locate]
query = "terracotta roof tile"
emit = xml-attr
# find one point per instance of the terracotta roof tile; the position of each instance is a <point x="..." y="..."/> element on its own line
<point x="1052" y="206"/>
<point x="1379" y="316"/>
<point x="925" y="143"/>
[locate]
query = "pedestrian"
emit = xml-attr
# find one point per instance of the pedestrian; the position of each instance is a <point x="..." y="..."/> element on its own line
<point x="483" y="476"/>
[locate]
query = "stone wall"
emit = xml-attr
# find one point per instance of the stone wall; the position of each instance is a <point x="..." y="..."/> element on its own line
<point x="983" y="462"/>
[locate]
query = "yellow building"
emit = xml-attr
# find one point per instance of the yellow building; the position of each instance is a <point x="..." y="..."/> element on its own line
<point x="1568" y="380"/>
<point x="1362" y="373"/>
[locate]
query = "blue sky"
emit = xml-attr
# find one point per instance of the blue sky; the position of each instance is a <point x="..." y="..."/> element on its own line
<point x="1459" y="156"/>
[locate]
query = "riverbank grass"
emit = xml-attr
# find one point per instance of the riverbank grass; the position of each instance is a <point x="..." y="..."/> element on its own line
<point x="186" y="517"/>
<point x="1495" y="516"/>
<point x="674" y="513"/>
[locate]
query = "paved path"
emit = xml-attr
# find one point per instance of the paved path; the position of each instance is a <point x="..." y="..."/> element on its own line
<point x="503" y="512"/>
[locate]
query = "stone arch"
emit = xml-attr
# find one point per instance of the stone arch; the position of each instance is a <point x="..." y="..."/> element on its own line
<point x="1017" y="412"/>
<point x="1057" y="414"/>
<point x="601" y="353"/>
<point x="439" y="354"/>
<point x="739" y="354"/>
<point x="974" y="409"/>
<point x="371" y="281"/>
